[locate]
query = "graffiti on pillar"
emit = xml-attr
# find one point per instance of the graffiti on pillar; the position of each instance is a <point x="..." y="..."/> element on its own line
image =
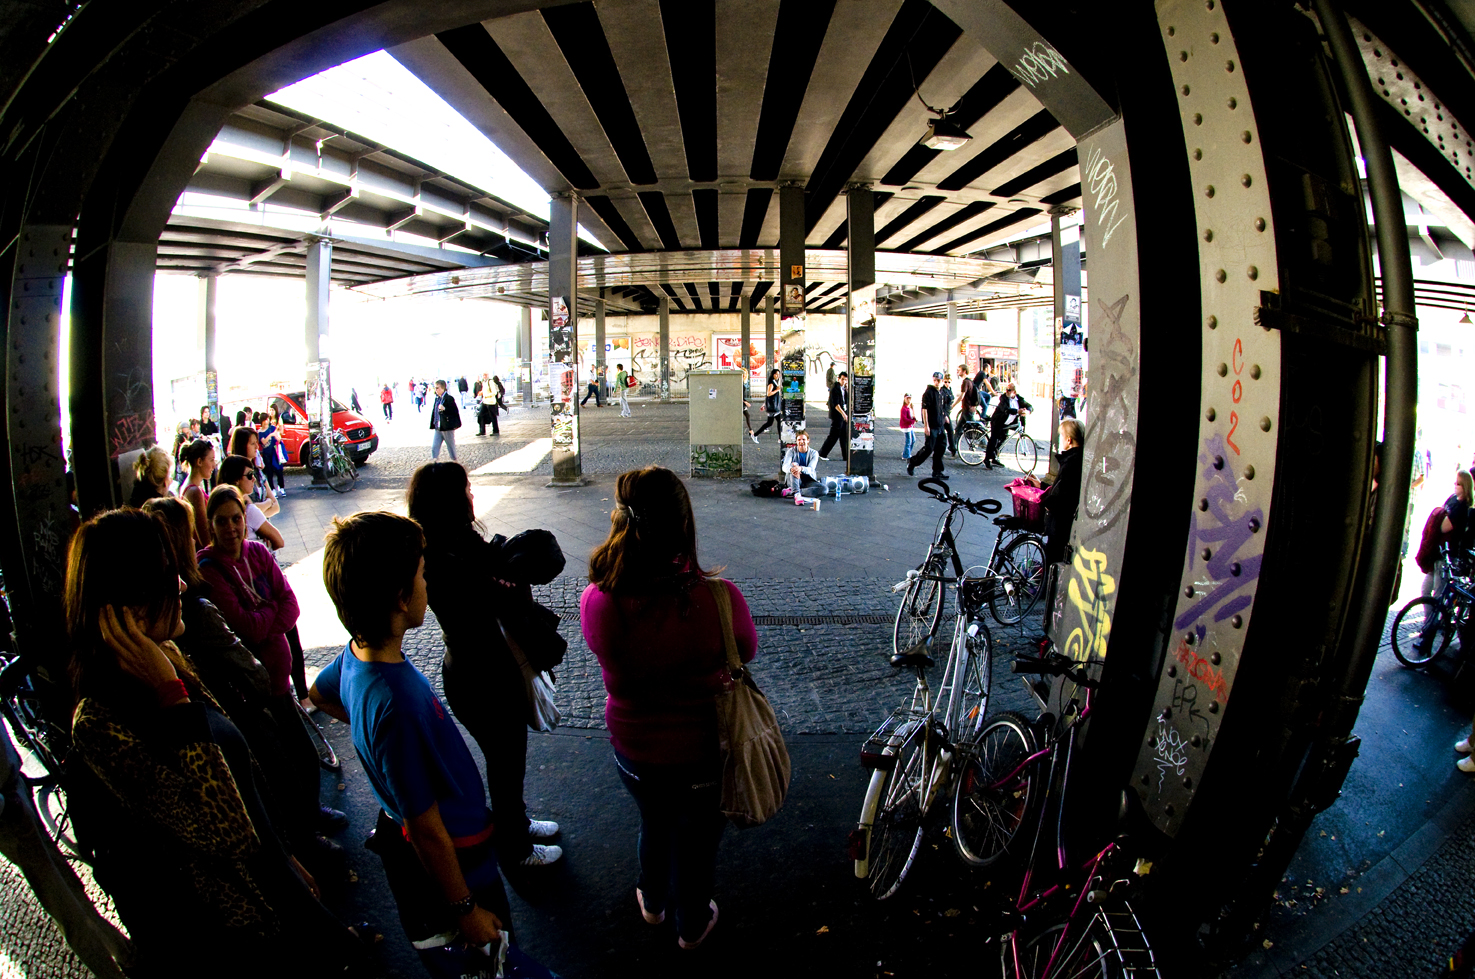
<point x="563" y="425"/>
<point x="46" y="564"/>
<point x="1225" y="530"/>
<point x="1170" y="753"/>
<point x="1038" y="64"/>
<point x="560" y="332"/>
<point x="1099" y="176"/>
<point x="1090" y="592"/>
<point x="133" y="398"/>
<point x="1111" y="433"/>
<point x="793" y="366"/>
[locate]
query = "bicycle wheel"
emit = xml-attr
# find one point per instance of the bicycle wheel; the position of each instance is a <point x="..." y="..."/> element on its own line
<point x="994" y="796"/>
<point x="921" y="608"/>
<point x="1026" y="453"/>
<point x="972" y="681"/>
<point x="51" y="806"/>
<point x="1106" y="944"/>
<point x="971" y="446"/>
<point x="893" y="819"/>
<point x="1421" y="632"/>
<point x="327" y="757"/>
<point x="1022" y="566"/>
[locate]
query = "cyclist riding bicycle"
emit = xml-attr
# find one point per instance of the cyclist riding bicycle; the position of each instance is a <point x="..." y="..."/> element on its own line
<point x="1010" y="411"/>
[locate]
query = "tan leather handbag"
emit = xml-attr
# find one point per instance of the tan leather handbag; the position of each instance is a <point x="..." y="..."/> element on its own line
<point x="755" y="762"/>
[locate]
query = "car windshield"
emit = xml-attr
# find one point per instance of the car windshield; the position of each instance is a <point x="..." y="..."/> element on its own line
<point x="299" y="397"/>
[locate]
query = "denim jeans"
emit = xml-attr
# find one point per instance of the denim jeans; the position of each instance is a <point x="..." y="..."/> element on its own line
<point x="680" y="829"/>
<point x="448" y="437"/>
<point x="911" y="436"/>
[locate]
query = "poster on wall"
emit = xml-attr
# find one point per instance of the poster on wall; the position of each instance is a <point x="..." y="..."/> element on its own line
<point x="560" y="332"/>
<point x="793" y="366"/>
<point x="794" y="300"/>
<point x="862" y="357"/>
<point x="727" y="355"/>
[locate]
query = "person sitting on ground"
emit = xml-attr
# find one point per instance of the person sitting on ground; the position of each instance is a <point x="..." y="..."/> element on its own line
<point x="237" y="471"/>
<point x="482" y="681"/>
<point x="434" y="832"/>
<point x="799" y="471"/>
<point x="651" y="616"/>
<point x="151" y="472"/>
<point x="166" y="785"/>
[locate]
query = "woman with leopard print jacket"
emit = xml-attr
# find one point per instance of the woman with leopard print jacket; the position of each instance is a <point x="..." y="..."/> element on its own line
<point x="168" y="796"/>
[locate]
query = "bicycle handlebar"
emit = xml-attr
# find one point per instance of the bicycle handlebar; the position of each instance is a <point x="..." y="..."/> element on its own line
<point x="1055" y="664"/>
<point x="947" y="496"/>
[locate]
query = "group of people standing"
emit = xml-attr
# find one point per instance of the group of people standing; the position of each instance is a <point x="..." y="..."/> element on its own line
<point x="194" y="783"/>
<point x="974" y="404"/>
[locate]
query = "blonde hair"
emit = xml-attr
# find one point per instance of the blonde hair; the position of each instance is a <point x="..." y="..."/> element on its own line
<point x="153" y="466"/>
<point x="1467" y="484"/>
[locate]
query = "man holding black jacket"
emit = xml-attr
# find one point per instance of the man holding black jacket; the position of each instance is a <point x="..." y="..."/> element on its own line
<point x="839" y="420"/>
<point x="934" y="439"/>
<point x="445" y="419"/>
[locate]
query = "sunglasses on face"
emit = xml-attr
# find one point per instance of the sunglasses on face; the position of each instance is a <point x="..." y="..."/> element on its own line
<point x="250" y="476"/>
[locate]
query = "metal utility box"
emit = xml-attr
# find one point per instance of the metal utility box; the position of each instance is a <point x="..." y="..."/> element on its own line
<point x="716" y="422"/>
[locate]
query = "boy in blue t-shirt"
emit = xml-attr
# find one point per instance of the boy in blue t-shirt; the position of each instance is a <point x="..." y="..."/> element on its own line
<point x="417" y="762"/>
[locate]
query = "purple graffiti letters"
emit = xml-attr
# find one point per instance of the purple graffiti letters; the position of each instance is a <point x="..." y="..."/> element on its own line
<point x="1225" y="535"/>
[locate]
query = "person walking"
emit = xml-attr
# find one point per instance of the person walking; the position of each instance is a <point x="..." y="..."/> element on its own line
<point x="445" y="418"/>
<point x="934" y="440"/>
<point x="386" y="400"/>
<point x="946" y="394"/>
<point x="839" y="420"/>
<point x="622" y="381"/>
<point x="592" y="389"/>
<point x="651" y="616"/>
<point x="487" y="410"/>
<point x="482" y="679"/>
<point x="772" y="401"/>
<point x="353" y="400"/>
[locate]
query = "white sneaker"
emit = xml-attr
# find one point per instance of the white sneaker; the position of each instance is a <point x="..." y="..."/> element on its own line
<point x="798" y="500"/>
<point x="753" y="437"/>
<point x="1463" y="747"/>
<point x="542" y="855"/>
<point x="1466" y="764"/>
<point x="542" y="829"/>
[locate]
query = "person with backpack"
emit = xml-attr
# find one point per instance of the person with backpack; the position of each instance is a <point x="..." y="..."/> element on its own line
<point x="622" y="385"/>
<point x="482" y="678"/>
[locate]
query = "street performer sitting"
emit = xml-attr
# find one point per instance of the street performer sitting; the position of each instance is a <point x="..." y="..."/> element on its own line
<point x="799" y="473"/>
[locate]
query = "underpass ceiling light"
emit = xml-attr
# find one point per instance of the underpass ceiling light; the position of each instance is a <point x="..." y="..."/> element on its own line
<point x="944" y="135"/>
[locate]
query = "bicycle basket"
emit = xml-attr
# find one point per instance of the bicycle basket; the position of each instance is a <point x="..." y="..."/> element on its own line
<point x="1027" y="506"/>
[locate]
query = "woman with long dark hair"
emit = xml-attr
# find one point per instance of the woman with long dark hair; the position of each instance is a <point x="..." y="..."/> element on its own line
<point x="167" y="791"/>
<point x="652" y="618"/>
<point x="199" y="459"/>
<point x="772" y="401"/>
<point x="471" y="583"/>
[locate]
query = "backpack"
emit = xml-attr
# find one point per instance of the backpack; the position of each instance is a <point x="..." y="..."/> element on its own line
<point x="767" y="487"/>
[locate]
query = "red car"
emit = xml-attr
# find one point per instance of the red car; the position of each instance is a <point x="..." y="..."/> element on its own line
<point x="357" y="430"/>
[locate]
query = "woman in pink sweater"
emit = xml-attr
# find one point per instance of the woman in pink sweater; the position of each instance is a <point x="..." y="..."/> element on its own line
<point x="908" y="425"/>
<point x="652" y="620"/>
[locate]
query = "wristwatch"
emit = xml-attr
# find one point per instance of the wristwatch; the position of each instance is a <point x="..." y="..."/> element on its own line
<point x="464" y="906"/>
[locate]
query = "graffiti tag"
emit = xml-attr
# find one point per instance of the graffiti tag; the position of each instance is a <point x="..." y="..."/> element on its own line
<point x="1039" y="63"/>
<point x="1090" y="592"/>
<point x="1203" y="671"/>
<point x="1170" y="753"/>
<point x="1101" y="183"/>
<point x="1224" y="535"/>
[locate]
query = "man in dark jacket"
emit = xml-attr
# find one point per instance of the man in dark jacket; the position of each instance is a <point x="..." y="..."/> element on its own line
<point x="444" y="420"/>
<point x="1011" y="408"/>
<point x="934" y="439"/>
<point x="839" y="420"/>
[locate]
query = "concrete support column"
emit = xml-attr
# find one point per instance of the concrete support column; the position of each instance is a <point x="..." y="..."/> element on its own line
<point x="319" y="283"/>
<point x="745" y="326"/>
<point x="860" y="327"/>
<point x="1065" y="259"/>
<point x="791" y="248"/>
<point x="664" y="375"/>
<point x="563" y="339"/>
<point x="768" y="352"/>
<point x="951" y="351"/>
<point x="599" y="364"/>
<point x="524" y="383"/>
<point x="208" y="291"/>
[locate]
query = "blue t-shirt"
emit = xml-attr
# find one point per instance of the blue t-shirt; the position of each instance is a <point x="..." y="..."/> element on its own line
<point x="411" y="750"/>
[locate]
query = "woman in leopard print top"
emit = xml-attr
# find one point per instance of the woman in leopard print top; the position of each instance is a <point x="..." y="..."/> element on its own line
<point x="170" y="797"/>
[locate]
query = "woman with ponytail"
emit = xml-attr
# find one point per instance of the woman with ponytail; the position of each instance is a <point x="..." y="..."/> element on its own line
<point x="653" y="621"/>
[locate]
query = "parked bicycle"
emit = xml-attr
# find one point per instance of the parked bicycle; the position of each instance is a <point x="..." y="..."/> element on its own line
<point x="1078" y="922"/>
<point x="334" y="461"/>
<point x="327" y="757"/>
<point x="913" y="751"/>
<point x="1426" y="626"/>
<point x="40" y="744"/>
<point x="973" y="445"/>
<point x="1011" y="581"/>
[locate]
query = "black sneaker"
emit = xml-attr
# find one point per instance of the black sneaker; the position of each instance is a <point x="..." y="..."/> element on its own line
<point x="331" y="820"/>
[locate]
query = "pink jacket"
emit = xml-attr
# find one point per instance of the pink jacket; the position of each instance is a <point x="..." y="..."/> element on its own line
<point x="262" y="619"/>
<point x="908" y="419"/>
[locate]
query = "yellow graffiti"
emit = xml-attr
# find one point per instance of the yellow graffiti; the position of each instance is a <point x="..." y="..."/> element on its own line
<point x="1090" y="590"/>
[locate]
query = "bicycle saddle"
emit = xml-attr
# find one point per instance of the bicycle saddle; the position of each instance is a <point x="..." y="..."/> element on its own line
<point x="918" y="655"/>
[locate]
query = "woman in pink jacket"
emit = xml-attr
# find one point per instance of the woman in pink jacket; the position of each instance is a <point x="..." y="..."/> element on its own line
<point x="651" y="618"/>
